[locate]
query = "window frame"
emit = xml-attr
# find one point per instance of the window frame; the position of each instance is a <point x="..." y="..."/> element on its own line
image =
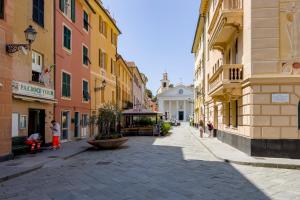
<point x="63" y="38"/>
<point x="85" y="23"/>
<point x="85" y="57"/>
<point x="85" y="100"/>
<point x="40" y="10"/>
<point x="34" y="56"/>
<point x="62" y="86"/>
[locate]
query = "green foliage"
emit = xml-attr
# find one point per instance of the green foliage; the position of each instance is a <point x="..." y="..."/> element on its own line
<point x="145" y="121"/>
<point x="165" y="128"/>
<point x="149" y="93"/>
<point x="107" y="121"/>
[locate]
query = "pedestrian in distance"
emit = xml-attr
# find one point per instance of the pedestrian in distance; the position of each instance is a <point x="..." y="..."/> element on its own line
<point x="201" y="129"/>
<point x="55" y="135"/>
<point x="210" y="128"/>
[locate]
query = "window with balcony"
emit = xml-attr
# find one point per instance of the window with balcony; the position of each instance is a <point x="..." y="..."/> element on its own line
<point x="38" y="12"/>
<point x="85" y="91"/>
<point x="66" y="85"/>
<point x="68" y="8"/>
<point x="1" y="9"/>
<point x="37" y="66"/>
<point x="85" y="21"/>
<point x="67" y="39"/>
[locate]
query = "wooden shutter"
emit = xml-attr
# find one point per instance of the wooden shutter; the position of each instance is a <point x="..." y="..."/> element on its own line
<point x="99" y="58"/>
<point x="73" y="8"/>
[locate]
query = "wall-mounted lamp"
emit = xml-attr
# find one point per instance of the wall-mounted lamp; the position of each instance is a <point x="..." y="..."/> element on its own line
<point x="30" y="35"/>
<point x="103" y="85"/>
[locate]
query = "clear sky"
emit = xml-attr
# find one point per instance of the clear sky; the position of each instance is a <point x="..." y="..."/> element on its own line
<point x="157" y="35"/>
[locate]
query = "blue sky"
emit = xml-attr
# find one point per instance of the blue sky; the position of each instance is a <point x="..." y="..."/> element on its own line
<point x="157" y="35"/>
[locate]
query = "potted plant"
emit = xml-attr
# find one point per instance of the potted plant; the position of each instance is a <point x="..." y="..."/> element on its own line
<point x="109" y="135"/>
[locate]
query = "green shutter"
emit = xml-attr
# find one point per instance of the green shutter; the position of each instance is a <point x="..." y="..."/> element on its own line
<point x="62" y="5"/>
<point x="73" y="10"/>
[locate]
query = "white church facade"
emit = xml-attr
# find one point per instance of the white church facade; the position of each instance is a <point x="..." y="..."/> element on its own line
<point x="175" y="102"/>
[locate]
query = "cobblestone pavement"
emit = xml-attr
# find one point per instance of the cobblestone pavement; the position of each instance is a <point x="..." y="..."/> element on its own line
<point x="173" y="167"/>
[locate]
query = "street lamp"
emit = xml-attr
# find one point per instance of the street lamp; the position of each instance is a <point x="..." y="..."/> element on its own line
<point x="30" y="35"/>
<point x="103" y="85"/>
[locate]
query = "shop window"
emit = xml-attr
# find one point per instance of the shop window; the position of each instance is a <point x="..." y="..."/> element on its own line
<point x="67" y="39"/>
<point x="68" y="8"/>
<point x="85" y="90"/>
<point x="1" y="9"/>
<point x="66" y="85"/>
<point x="37" y="66"/>
<point x="38" y="12"/>
<point x="85" y="21"/>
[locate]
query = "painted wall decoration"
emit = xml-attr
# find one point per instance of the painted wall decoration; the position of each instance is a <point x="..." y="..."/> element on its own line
<point x="290" y="36"/>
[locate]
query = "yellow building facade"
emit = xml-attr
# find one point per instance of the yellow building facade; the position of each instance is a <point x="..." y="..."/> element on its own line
<point x="32" y="70"/>
<point x="251" y="63"/>
<point x="124" y="84"/>
<point x="104" y="42"/>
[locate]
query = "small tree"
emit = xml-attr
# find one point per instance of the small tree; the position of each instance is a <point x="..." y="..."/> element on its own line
<point x="107" y="120"/>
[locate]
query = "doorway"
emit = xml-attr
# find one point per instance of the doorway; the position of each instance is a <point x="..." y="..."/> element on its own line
<point x="181" y="115"/>
<point x="65" y="125"/>
<point x="36" y="122"/>
<point x="84" y="128"/>
<point x="77" y="124"/>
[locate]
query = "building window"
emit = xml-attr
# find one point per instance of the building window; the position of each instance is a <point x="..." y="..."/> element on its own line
<point x="103" y="26"/>
<point x="103" y="58"/>
<point x="85" y="21"/>
<point x="102" y="95"/>
<point x="113" y="38"/>
<point x="1" y="9"/>
<point x="66" y="85"/>
<point x="67" y="38"/>
<point x="68" y="8"/>
<point x="85" y="90"/>
<point x="112" y="70"/>
<point x="85" y="55"/>
<point x="38" y="12"/>
<point x="23" y="122"/>
<point x="113" y="97"/>
<point x="37" y="66"/>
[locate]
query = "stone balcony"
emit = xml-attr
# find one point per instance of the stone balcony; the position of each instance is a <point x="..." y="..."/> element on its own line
<point x="226" y="21"/>
<point x="226" y="82"/>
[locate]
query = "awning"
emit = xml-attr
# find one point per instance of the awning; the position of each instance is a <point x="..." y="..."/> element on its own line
<point x="32" y="99"/>
<point x="140" y="112"/>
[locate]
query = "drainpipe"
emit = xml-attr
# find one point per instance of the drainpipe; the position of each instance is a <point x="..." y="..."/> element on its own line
<point x="54" y="53"/>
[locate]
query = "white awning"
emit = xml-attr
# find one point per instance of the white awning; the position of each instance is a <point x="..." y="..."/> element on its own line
<point x="32" y="99"/>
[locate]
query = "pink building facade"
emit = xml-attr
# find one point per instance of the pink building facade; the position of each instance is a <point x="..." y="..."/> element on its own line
<point x="72" y="71"/>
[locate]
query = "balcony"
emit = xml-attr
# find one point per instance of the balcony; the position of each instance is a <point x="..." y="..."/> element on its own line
<point x="226" y="82"/>
<point x="227" y="20"/>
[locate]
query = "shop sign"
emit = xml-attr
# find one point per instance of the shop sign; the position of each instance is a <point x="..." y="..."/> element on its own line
<point x="31" y="90"/>
<point x="280" y="98"/>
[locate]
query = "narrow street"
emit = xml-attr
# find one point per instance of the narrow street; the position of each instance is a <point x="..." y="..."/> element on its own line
<point x="173" y="167"/>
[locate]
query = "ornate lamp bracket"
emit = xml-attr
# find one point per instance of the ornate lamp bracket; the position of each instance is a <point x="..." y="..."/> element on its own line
<point x="13" y="48"/>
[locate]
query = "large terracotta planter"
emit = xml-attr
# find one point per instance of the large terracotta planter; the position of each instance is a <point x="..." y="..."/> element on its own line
<point x="108" y="144"/>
